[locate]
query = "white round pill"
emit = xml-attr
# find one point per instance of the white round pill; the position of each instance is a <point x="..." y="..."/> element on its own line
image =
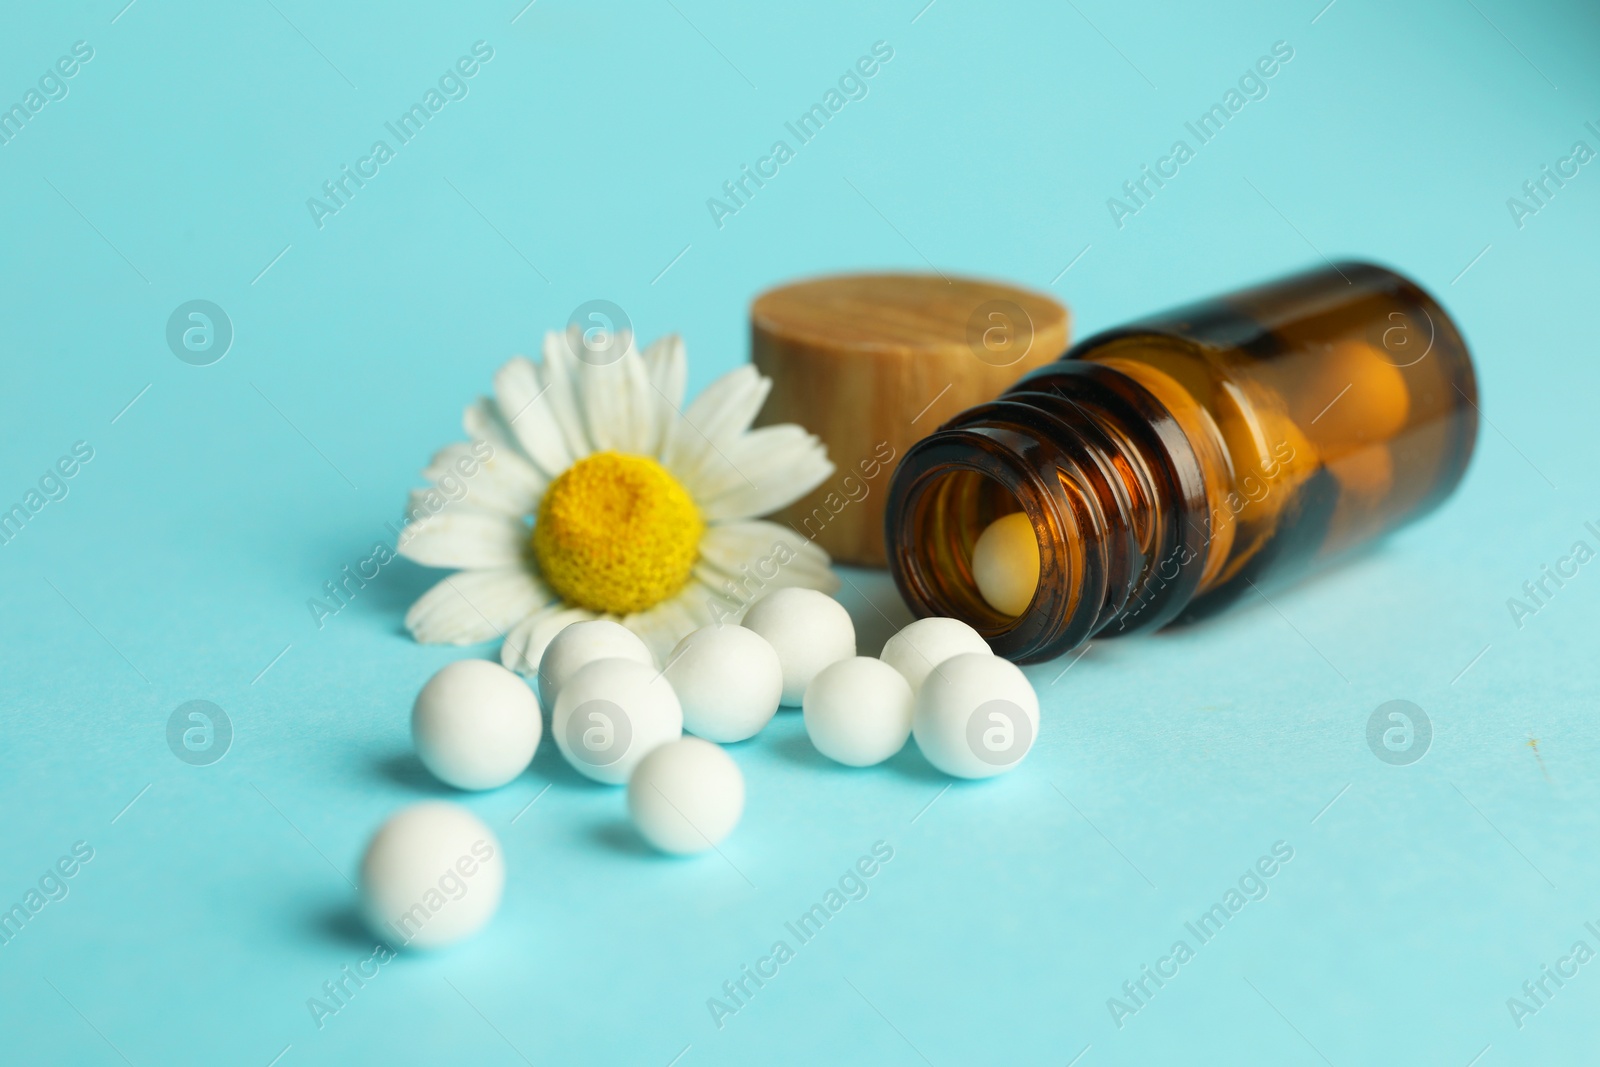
<point x="432" y="875"/>
<point x="808" y="630"/>
<point x="686" y="796"/>
<point x="926" y="643"/>
<point x="975" y="716"/>
<point x="610" y="714"/>
<point x="728" y="680"/>
<point x="475" y="724"/>
<point x="584" y="642"/>
<point x="1005" y="563"/>
<point x="858" y="711"/>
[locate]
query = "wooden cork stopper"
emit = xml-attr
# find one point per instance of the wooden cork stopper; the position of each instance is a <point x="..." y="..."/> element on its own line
<point x="871" y="363"/>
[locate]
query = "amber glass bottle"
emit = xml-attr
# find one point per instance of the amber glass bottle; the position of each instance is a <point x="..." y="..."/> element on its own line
<point x="1173" y="465"/>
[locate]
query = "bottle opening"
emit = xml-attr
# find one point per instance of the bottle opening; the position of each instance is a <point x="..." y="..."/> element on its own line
<point x="1041" y="519"/>
<point x="1000" y="545"/>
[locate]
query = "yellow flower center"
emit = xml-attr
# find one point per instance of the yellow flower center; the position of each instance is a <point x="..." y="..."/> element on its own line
<point x="616" y="534"/>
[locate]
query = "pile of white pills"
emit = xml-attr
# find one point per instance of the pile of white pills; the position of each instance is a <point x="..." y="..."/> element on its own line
<point x="433" y="873"/>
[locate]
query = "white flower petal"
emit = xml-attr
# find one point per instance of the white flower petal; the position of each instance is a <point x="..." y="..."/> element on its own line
<point x="771" y="467"/>
<point x="733" y="544"/>
<point x="560" y="375"/>
<point x="426" y="506"/>
<point x="482" y="422"/>
<point x="526" y="407"/>
<point x="525" y="644"/>
<point x="503" y="482"/>
<point x="775" y="469"/>
<point x="668" y="367"/>
<point x="465" y="538"/>
<point x="663" y="626"/>
<point x="758" y="556"/>
<point x="622" y="411"/>
<point x="714" y="422"/>
<point x="474" y="606"/>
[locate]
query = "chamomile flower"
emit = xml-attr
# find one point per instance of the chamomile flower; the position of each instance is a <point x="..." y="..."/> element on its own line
<point x="602" y="497"/>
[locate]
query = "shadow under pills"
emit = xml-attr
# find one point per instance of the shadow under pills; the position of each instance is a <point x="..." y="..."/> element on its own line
<point x="618" y="835"/>
<point x="342" y="924"/>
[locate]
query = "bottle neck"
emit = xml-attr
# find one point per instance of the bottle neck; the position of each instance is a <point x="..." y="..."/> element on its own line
<point x="1108" y="479"/>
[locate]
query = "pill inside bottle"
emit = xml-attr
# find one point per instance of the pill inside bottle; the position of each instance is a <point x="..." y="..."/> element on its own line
<point x="1005" y="564"/>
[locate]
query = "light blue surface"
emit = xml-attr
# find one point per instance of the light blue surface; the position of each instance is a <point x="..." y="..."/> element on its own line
<point x="178" y="567"/>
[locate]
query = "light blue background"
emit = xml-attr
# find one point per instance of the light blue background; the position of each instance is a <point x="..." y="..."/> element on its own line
<point x="180" y="564"/>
